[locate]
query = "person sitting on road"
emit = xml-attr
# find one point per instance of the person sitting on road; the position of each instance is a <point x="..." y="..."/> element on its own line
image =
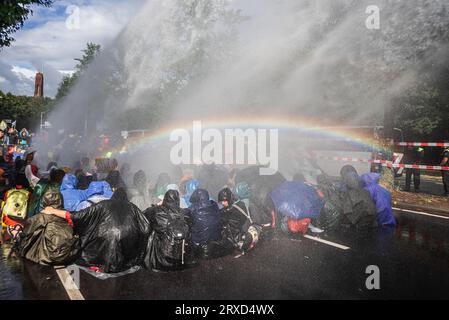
<point x="182" y="202"/>
<point x="169" y="246"/>
<point x="381" y="197"/>
<point x="114" y="177"/>
<point x="331" y="214"/>
<point x="206" y="226"/>
<point x="359" y="210"/>
<point x="190" y="186"/>
<point x="31" y="169"/>
<point x="96" y="192"/>
<point x="114" y="233"/>
<point x="47" y="240"/>
<point x="72" y="196"/>
<point x="42" y="189"/>
<point x="85" y="174"/>
<point x="139" y="195"/>
<point x="295" y="204"/>
<point x="236" y="220"/>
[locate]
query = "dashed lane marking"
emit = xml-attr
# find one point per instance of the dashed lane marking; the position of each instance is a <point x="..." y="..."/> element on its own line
<point x="70" y="286"/>
<point x="330" y="243"/>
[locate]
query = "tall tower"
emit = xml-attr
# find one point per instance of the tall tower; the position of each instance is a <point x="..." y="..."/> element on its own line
<point x="39" y="85"/>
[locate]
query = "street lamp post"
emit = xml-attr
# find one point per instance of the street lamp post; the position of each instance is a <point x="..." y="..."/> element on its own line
<point x="42" y="120"/>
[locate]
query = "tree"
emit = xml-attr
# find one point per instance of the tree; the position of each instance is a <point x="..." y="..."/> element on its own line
<point x="69" y="81"/>
<point x="26" y="110"/>
<point x="13" y="14"/>
<point x="422" y="111"/>
<point x="65" y="85"/>
<point x="89" y="55"/>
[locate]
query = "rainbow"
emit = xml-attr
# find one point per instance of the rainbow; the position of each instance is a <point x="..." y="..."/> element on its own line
<point x="305" y="126"/>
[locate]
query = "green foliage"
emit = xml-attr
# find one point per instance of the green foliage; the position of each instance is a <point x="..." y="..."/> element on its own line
<point x="26" y="110"/>
<point x="89" y="55"/>
<point x="65" y="85"/>
<point x="423" y="110"/>
<point x="69" y="81"/>
<point x="13" y="14"/>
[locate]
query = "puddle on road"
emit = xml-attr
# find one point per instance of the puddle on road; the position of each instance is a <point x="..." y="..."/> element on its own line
<point x="10" y="280"/>
<point x="424" y="239"/>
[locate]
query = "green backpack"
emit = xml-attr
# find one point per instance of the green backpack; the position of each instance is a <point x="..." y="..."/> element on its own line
<point x="16" y="203"/>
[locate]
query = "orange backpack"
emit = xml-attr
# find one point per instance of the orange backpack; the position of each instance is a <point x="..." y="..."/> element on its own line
<point x="299" y="226"/>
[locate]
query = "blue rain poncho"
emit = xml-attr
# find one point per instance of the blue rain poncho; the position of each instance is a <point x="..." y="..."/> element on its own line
<point x="296" y="200"/>
<point x="96" y="192"/>
<point x="381" y="197"/>
<point x="72" y="196"/>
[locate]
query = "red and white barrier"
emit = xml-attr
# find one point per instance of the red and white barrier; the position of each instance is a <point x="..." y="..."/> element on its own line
<point x="423" y="144"/>
<point x="385" y="163"/>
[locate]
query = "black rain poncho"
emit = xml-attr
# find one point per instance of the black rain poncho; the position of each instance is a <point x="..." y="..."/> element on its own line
<point x="169" y="243"/>
<point x="331" y="214"/>
<point x="238" y="228"/>
<point x="232" y="218"/>
<point x="114" y="235"/>
<point x="359" y="210"/>
<point x="48" y="239"/>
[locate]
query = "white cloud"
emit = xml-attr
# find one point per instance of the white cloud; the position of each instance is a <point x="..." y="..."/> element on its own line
<point x="24" y="72"/>
<point x="67" y="72"/>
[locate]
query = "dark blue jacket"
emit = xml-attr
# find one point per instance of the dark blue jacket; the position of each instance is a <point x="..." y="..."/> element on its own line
<point x="206" y="224"/>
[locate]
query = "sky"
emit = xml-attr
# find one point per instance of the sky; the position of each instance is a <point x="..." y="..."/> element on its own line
<point x="53" y="37"/>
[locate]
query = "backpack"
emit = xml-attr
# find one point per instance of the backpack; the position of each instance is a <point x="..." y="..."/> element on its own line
<point x="299" y="226"/>
<point x="294" y="226"/>
<point x="176" y="240"/>
<point x="16" y="204"/>
<point x="253" y="232"/>
<point x="330" y="216"/>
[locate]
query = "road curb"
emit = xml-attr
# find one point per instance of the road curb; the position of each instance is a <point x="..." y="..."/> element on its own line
<point x="408" y="206"/>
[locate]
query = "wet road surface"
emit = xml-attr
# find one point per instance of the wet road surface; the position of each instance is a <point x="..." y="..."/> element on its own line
<point x="413" y="260"/>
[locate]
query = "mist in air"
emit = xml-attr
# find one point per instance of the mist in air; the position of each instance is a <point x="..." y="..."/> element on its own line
<point x="310" y="59"/>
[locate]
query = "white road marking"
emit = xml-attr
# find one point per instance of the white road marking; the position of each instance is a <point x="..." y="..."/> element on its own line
<point x="69" y="285"/>
<point x="333" y="244"/>
<point x="422" y="213"/>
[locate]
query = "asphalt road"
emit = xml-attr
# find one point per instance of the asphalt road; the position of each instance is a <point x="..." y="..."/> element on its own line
<point x="413" y="260"/>
<point x="430" y="184"/>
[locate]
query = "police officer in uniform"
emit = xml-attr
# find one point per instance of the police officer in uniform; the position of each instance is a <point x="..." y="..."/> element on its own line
<point x="413" y="156"/>
<point x="445" y="174"/>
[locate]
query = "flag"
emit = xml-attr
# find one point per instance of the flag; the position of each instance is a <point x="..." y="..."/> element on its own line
<point x="13" y="125"/>
<point x="3" y="125"/>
